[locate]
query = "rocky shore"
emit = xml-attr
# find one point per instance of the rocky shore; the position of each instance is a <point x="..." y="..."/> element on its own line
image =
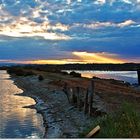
<point x="61" y="120"/>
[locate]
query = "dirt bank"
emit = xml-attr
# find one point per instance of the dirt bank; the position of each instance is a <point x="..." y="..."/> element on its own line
<point x="61" y="119"/>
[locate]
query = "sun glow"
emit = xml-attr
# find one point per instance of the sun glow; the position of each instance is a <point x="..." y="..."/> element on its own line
<point x="82" y="58"/>
<point x="97" y="57"/>
<point x="77" y="57"/>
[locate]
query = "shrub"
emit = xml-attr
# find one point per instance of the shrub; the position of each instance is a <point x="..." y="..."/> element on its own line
<point x="40" y="78"/>
<point x="64" y="72"/>
<point x="94" y="77"/>
<point x="75" y="74"/>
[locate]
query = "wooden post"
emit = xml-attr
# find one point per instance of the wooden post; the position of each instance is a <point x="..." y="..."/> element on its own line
<point x="93" y="132"/>
<point x="86" y="102"/>
<point x="71" y="95"/>
<point x="138" y="72"/>
<point x="78" y="97"/>
<point x="91" y="97"/>
<point x="66" y="91"/>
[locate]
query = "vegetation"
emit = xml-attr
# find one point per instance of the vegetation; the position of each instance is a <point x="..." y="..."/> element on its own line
<point x="122" y="124"/>
<point x="20" y="71"/>
<point x="40" y="78"/>
<point x="92" y="66"/>
<point x="64" y="73"/>
<point x="106" y="67"/>
<point x="75" y="74"/>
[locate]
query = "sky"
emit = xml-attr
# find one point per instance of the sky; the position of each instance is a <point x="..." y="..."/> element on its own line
<point x="69" y="31"/>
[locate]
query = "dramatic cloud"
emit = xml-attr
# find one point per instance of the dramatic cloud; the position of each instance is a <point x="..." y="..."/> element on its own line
<point x="22" y="27"/>
<point x="65" y="31"/>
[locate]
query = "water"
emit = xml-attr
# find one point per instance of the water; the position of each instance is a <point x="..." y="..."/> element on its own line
<point x="16" y="121"/>
<point x="127" y="76"/>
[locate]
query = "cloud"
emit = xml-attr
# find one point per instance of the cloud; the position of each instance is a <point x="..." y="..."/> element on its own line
<point x="111" y="26"/>
<point x="95" y="58"/>
<point x="100" y="2"/>
<point x="126" y="23"/>
<point x="23" y="27"/>
<point x="76" y="57"/>
<point x="98" y="24"/>
<point x="128" y="1"/>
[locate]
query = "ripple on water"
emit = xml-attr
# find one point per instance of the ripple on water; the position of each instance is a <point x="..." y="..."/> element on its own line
<point x="16" y="121"/>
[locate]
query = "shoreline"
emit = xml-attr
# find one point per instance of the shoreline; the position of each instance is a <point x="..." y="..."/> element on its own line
<point x="53" y="121"/>
<point x="62" y="119"/>
<point x="39" y="106"/>
<point x="37" y="101"/>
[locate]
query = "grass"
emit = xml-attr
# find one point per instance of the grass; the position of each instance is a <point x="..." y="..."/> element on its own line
<point x="122" y="124"/>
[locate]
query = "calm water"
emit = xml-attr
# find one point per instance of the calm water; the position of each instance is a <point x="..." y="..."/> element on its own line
<point x="16" y="121"/>
<point x="128" y="76"/>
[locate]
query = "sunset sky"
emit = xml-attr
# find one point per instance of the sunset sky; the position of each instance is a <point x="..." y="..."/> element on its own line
<point x="69" y="31"/>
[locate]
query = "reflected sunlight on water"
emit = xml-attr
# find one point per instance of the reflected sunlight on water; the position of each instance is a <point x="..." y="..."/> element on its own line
<point x="16" y="121"/>
<point x="128" y="76"/>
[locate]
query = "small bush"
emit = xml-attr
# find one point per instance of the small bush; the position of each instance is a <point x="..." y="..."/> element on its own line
<point x="40" y="78"/>
<point x="64" y="72"/>
<point x="94" y="77"/>
<point x="75" y="74"/>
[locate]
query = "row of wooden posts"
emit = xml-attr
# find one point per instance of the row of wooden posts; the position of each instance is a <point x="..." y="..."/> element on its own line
<point x="80" y="97"/>
<point x="84" y="101"/>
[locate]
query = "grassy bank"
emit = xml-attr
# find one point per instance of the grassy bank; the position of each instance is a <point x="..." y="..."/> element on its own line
<point x="121" y="124"/>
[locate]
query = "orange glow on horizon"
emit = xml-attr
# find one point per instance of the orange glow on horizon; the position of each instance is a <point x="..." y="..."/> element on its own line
<point x="61" y="61"/>
<point x="79" y="57"/>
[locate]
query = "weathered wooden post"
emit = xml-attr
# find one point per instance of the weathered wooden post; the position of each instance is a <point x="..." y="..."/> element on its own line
<point x="78" y="97"/>
<point x="86" y="102"/>
<point x="66" y="91"/>
<point x="138" y="72"/>
<point x="72" y="96"/>
<point x="91" y="94"/>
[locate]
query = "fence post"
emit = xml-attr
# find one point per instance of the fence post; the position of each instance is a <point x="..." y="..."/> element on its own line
<point x="71" y="95"/>
<point x="66" y="91"/>
<point x="138" y="73"/>
<point x="86" y="102"/>
<point x="91" y="94"/>
<point x="78" y="97"/>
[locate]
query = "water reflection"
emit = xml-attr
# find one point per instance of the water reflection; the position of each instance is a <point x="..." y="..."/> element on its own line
<point x="16" y="121"/>
<point x="128" y="76"/>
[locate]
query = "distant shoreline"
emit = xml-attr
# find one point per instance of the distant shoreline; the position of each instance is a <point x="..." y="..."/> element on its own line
<point x="100" y="67"/>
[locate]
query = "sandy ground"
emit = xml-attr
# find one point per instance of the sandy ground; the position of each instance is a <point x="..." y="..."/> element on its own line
<point x="63" y="120"/>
